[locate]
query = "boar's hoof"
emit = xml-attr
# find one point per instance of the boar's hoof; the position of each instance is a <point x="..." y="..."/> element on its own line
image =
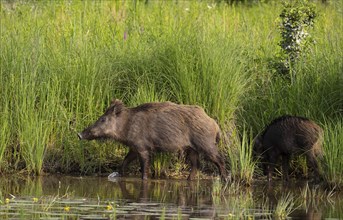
<point x="113" y="176"/>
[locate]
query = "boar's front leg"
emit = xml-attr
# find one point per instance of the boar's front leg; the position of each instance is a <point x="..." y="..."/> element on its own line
<point x="194" y="159"/>
<point x="131" y="155"/>
<point x="270" y="165"/>
<point x="270" y="171"/>
<point x="144" y="159"/>
<point x="273" y="156"/>
<point x="285" y="166"/>
<point x="312" y="161"/>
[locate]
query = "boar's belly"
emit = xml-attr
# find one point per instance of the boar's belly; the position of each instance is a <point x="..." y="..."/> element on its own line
<point x="171" y="142"/>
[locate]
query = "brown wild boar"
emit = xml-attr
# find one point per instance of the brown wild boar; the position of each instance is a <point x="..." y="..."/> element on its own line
<point x="164" y="126"/>
<point x="286" y="136"/>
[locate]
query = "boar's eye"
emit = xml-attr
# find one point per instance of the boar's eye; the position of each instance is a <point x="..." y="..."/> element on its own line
<point x="102" y="120"/>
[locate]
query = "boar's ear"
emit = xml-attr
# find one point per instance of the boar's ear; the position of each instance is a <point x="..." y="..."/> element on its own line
<point x="116" y="106"/>
<point x="116" y="101"/>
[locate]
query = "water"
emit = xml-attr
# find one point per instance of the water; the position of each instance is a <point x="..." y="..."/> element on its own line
<point x="64" y="197"/>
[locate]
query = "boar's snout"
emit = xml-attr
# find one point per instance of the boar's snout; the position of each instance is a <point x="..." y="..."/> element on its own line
<point x="257" y="145"/>
<point x="86" y="134"/>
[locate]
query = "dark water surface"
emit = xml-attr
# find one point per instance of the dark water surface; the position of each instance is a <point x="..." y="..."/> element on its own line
<point x="64" y="197"/>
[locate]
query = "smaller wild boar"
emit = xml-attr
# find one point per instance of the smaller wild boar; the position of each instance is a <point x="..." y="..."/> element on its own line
<point x="164" y="126"/>
<point x="286" y="136"/>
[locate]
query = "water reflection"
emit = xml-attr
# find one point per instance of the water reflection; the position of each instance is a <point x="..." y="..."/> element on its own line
<point x="133" y="198"/>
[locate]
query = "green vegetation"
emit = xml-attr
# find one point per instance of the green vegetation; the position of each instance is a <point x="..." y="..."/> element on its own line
<point x="332" y="162"/>
<point x="296" y="18"/>
<point x="59" y="76"/>
<point x="242" y="163"/>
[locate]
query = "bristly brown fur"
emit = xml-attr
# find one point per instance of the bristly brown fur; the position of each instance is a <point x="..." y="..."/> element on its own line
<point x="160" y="126"/>
<point x="286" y="136"/>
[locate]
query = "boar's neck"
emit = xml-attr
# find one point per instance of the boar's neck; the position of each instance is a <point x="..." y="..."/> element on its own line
<point x="123" y="125"/>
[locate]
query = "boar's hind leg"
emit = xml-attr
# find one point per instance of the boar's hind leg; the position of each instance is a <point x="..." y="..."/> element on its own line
<point x="194" y="159"/>
<point x="131" y="155"/>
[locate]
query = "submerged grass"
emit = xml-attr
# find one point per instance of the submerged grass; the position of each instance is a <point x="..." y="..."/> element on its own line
<point x="285" y="206"/>
<point x="59" y="76"/>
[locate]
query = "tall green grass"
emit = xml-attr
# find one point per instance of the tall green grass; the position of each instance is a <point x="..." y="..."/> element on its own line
<point x="242" y="163"/>
<point x="59" y="76"/>
<point x="333" y="165"/>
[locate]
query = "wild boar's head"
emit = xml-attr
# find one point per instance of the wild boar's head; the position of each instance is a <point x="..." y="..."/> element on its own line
<point x="106" y="125"/>
<point x="257" y="145"/>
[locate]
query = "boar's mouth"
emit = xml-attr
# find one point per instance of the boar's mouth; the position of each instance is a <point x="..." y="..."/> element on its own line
<point x="80" y="136"/>
<point x="87" y="136"/>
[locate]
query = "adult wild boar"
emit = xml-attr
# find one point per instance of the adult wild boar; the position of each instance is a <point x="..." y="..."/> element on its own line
<point x="286" y="136"/>
<point x="164" y="126"/>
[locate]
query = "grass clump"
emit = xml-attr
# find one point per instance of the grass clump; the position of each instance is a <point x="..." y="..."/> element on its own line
<point x="285" y="206"/>
<point x="242" y="164"/>
<point x="333" y="165"/>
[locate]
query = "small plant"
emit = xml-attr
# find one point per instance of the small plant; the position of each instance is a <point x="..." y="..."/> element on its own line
<point x="241" y="160"/>
<point x="285" y="206"/>
<point x="297" y="17"/>
<point x="161" y="163"/>
<point x="313" y="195"/>
<point x="163" y="214"/>
<point x="218" y="189"/>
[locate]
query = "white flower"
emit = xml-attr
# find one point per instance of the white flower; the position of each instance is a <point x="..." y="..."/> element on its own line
<point x="211" y="6"/>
